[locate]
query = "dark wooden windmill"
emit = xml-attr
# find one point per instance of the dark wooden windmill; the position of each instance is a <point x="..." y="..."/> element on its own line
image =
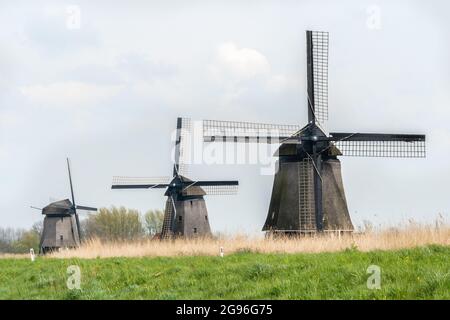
<point x="61" y="223"/>
<point x="185" y="212"/>
<point x="308" y="193"/>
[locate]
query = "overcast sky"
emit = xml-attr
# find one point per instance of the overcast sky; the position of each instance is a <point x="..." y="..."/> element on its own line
<point x="103" y="83"/>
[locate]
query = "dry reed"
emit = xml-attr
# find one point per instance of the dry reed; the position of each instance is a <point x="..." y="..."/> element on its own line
<point x="413" y="235"/>
<point x="14" y="255"/>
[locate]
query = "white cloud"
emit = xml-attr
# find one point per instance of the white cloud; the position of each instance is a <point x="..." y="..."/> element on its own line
<point x="8" y="118"/>
<point x="237" y="62"/>
<point x="172" y="73"/>
<point x="69" y="93"/>
<point x="242" y="72"/>
<point x="160" y="90"/>
<point x="280" y="82"/>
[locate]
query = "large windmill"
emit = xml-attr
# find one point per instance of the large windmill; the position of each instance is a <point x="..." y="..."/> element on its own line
<point x="308" y="193"/>
<point x="185" y="212"/>
<point x="61" y="223"/>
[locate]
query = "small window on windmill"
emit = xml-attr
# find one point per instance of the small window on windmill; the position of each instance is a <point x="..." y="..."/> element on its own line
<point x="191" y="202"/>
<point x="206" y="218"/>
<point x="61" y="238"/>
<point x="195" y="230"/>
<point x="180" y="218"/>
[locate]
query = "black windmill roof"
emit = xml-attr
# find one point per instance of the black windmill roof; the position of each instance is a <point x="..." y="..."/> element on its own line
<point x="58" y="208"/>
<point x="197" y="190"/>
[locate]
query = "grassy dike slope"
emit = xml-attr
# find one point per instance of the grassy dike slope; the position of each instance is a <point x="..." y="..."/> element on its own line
<point x="419" y="273"/>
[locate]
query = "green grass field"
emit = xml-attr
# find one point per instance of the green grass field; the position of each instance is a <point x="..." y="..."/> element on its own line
<point x="420" y="273"/>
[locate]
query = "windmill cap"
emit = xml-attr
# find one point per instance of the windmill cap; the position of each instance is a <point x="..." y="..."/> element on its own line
<point x="62" y="207"/>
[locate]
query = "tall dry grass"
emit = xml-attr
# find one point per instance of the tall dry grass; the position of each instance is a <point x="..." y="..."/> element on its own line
<point x="14" y="255"/>
<point x="409" y="236"/>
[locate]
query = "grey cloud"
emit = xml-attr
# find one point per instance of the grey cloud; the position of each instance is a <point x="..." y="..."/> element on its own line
<point x="394" y="79"/>
<point x="123" y="69"/>
<point x="139" y="66"/>
<point x="51" y="36"/>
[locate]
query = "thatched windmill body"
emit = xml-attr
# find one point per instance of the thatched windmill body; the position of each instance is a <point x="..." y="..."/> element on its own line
<point x="185" y="213"/>
<point x="61" y="228"/>
<point x="308" y="193"/>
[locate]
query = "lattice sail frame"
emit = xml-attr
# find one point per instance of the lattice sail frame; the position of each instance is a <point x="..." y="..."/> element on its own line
<point x="185" y="147"/>
<point x="320" y="41"/>
<point x="223" y="190"/>
<point x="236" y="131"/>
<point x="386" y="149"/>
<point x="380" y="145"/>
<point x="122" y="180"/>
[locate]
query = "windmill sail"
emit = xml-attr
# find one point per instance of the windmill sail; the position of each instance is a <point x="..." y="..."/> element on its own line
<point x="379" y="145"/>
<point x="317" y="75"/>
<point x="86" y="208"/>
<point x="182" y="146"/>
<point x="212" y="188"/>
<point x="74" y="206"/>
<point x="235" y="131"/>
<point x="121" y="182"/>
<point x="70" y="181"/>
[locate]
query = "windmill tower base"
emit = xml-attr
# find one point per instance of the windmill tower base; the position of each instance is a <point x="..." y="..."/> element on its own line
<point x="190" y="218"/>
<point x="291" y="209"/>
<point x="59" y="232"/>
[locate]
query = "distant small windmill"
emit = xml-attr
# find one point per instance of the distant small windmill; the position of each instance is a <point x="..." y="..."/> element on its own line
<point x="308" y="193"/>
<point x="185" y="213"/>
<point x="61" y="223"/>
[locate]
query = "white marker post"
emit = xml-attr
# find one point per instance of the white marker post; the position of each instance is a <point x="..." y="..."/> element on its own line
<point x="32" y="256"/>
<point x="221" y="252"/>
